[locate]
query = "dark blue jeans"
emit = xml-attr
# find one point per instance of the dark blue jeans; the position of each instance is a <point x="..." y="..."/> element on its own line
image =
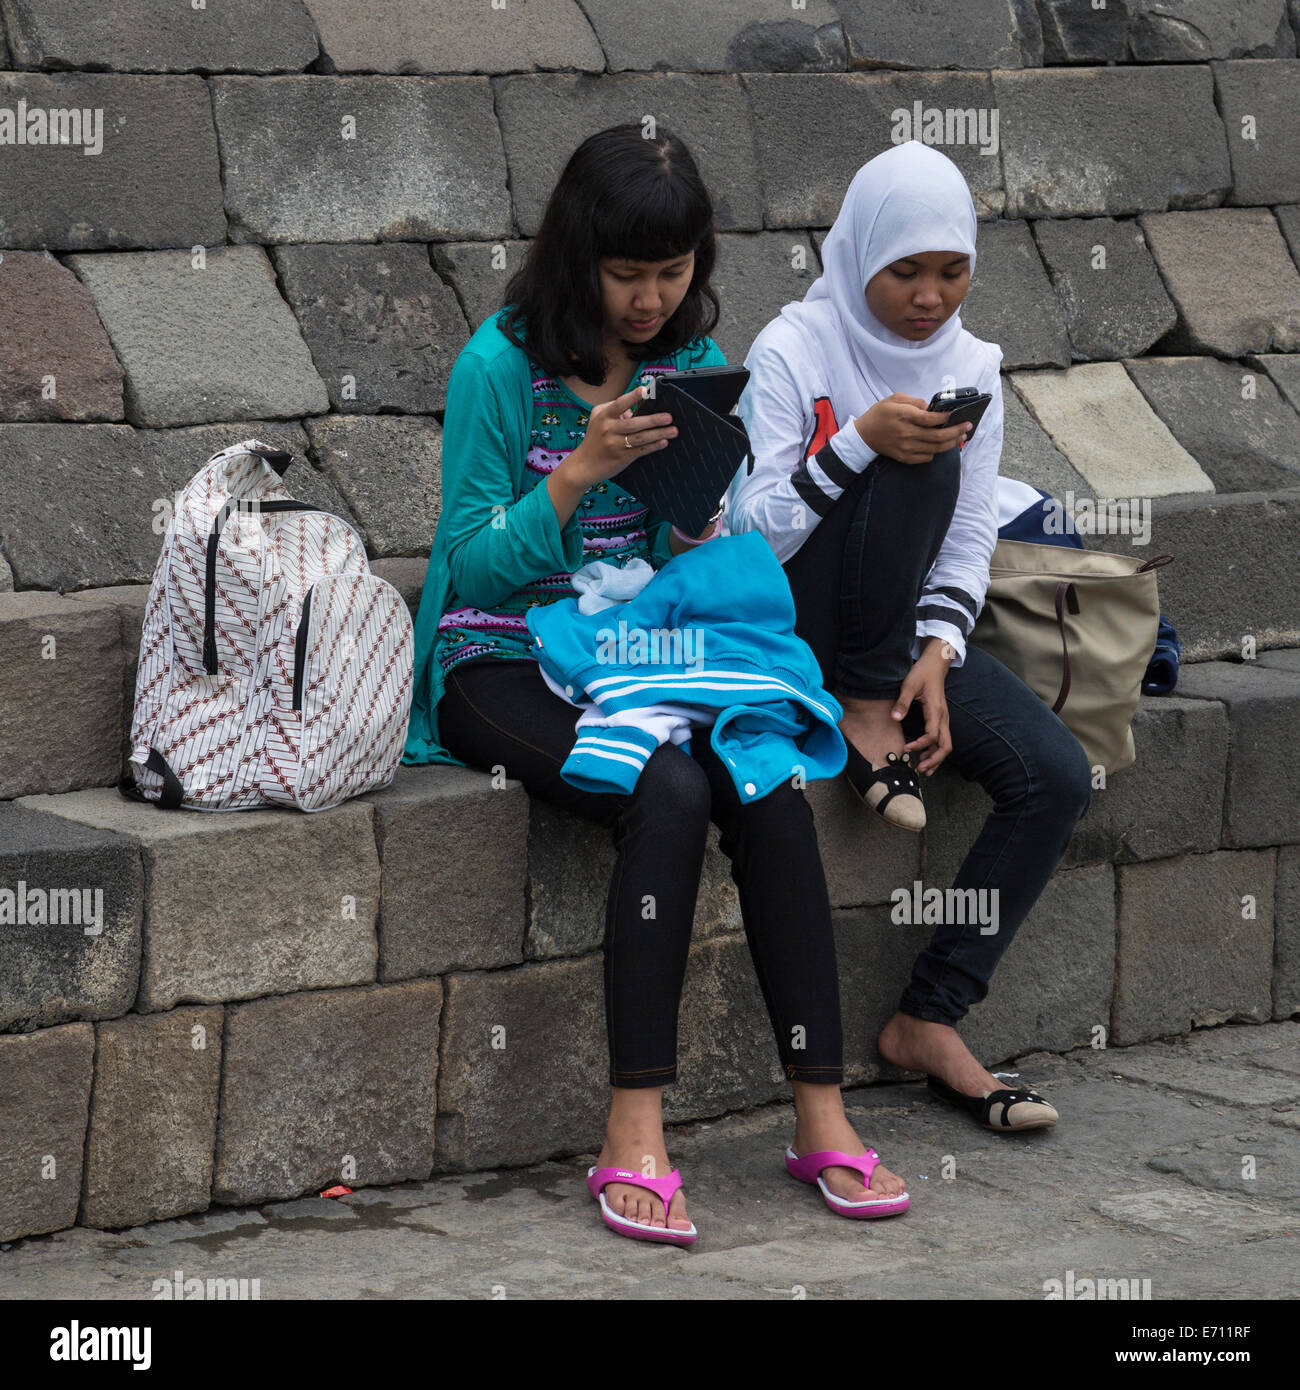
<point x="856" y="581"/>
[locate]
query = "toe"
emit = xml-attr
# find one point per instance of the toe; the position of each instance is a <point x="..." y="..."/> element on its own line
<point x="846" y="1184"/>
<point x="886" y="1184"/>
<point x="676" y="1217"/>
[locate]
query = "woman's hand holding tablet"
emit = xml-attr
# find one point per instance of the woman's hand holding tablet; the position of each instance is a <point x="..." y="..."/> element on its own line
<point x="687" y="482"/>
<point x="616" y="435"/>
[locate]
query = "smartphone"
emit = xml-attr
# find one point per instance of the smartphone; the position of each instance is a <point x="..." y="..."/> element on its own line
<point x="964" y="403"/>
<point x="715" y="388"/>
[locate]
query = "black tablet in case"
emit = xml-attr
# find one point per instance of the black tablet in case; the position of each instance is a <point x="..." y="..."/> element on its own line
<point x="686" y="481"/>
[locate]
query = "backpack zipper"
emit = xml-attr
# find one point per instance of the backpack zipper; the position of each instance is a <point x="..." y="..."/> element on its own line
<point x="300" y="650"/>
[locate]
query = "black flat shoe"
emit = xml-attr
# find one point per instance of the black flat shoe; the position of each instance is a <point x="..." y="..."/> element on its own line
<point x="1031" y="1110"/>
<point x="899" y="803"/>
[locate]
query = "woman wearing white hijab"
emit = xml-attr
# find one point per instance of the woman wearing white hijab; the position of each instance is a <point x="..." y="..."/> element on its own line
<point x="885" y="520"/>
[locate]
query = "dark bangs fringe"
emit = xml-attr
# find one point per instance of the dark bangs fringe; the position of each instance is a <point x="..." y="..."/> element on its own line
<point x="619" y="195"/>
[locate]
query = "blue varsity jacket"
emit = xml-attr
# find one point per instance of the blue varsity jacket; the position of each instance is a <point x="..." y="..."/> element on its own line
<point x="713" y="630"/>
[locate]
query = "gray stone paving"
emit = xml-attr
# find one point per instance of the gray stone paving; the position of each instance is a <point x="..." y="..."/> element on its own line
<point x="1147" y="1176"/>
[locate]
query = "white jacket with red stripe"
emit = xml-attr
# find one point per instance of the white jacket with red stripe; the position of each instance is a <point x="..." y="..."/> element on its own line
<point x="805" y="455"/>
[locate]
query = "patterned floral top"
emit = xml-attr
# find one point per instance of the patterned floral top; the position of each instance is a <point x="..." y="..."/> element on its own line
<point x="613" y="524"/>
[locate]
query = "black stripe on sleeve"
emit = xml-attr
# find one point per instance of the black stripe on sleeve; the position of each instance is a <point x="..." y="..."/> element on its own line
<point x="961" y="596"/>
<point x="961" y="621"/>
<point x="801" y="481"/>
<point x="834" y="467"/>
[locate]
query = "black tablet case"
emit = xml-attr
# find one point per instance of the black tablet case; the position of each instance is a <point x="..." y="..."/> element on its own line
<point x="686" y="481"/>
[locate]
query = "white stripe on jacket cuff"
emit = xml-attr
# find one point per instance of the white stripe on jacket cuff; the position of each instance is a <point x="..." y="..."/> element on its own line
<point x="851" y="449"/>
<point x="932" y="627"/>
<point x="609" y="757"/>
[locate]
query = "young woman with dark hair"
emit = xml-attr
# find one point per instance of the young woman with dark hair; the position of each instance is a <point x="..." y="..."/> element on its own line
<point x="622" y="200"/>
<point x="538" y="425"/>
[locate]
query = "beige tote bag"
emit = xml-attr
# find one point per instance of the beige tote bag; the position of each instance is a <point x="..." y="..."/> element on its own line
<point x="1078" y="627"/>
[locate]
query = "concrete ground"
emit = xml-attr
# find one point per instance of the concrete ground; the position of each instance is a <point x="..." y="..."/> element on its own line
<point x="1176" y="1162"/>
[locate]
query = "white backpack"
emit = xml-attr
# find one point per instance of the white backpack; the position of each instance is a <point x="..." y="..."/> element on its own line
<point x="275" y="669"/>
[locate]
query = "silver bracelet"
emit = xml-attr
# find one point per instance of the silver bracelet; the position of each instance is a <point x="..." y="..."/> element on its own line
<point x="690" y="540"/>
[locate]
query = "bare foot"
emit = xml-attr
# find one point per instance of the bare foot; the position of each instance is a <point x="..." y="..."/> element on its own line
<point x="645" y="1154"/>
<point x="869" y="728"/>
<point x="916" y="1044"/>
<point x="820" y="1123"/>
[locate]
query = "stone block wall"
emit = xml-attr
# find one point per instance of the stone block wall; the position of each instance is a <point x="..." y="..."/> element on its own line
<point x="285" y="219"/>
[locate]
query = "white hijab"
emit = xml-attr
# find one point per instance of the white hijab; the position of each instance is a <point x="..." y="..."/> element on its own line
<point x="910" y="198"/>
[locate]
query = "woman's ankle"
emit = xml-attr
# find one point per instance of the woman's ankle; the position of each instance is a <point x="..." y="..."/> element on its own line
<point x="635" y="1118"/>
<point x="866" y="707"/>
<point x="816" y="1102"/>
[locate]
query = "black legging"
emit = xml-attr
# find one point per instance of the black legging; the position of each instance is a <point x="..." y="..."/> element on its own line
<point x="501" y="712"/>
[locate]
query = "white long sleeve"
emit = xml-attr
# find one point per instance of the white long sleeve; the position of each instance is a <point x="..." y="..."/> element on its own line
<point x="786" y="408"/>
<point x="787" y="494"/>
<point x="953" y="593"/>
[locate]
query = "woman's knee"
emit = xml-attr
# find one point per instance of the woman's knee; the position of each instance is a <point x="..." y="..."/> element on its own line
<point x="1063" y="777"/>
<point x="1044" y="772"/>
<point x="941" y="474"/>
<point x="780" y="823"/>
<point x="672" y="785"/>
<point x="781" y="818"/>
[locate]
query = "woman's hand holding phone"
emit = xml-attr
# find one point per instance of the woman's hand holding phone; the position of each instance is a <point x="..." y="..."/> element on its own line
<point x="900" y="427"/>
<point x="615" y="436"/>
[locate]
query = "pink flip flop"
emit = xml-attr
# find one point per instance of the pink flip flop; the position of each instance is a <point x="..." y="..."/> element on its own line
<point x="663" y="1188"/>
<point x="809" y="1169"/>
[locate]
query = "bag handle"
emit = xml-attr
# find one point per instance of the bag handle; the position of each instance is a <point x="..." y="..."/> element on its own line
<point x="1066" y="595"/>
<point x="1154" y="563"/>
<point x="279" y="459"/>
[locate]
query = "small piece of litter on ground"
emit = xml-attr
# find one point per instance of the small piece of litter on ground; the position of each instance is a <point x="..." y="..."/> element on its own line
<point x="339" y="1191"/>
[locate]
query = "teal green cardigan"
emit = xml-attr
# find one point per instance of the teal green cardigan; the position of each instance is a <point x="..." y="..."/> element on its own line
<point x="486" y="434"/>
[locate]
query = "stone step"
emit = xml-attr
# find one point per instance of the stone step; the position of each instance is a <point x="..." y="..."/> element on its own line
<point x="440" y="36"/>
<point x="258" y="158"/>
<point x="304" y="995"/>
<point x="66" y="707"/>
